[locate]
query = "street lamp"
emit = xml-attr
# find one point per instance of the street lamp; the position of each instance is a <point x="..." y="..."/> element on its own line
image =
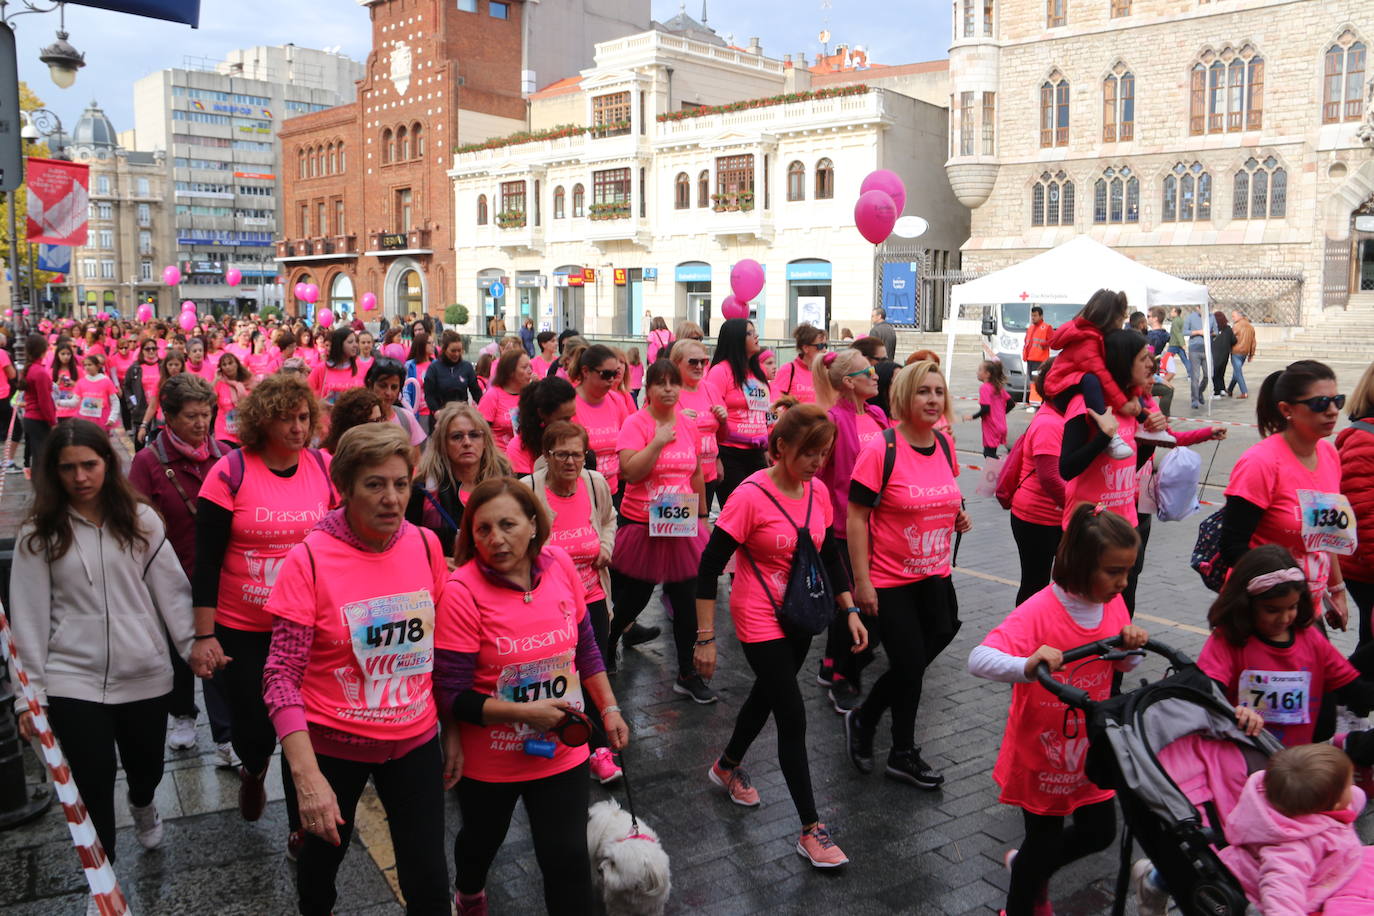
<point x="63" y="61"/>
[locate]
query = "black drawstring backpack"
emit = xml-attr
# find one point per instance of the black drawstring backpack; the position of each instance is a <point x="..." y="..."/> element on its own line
<point x="808" y="602"/>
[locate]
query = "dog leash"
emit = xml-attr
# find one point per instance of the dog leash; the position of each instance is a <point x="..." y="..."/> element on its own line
<point x="635" y="833"/>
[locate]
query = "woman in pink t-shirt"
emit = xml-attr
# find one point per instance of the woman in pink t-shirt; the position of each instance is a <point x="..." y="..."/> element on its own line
<point x="660" y="340"/>
<point x="737" y="380"/>
<point x="761" y="521"/>
<point x="547" y="342"/>
<point x="196" y="363"/>
<point x="661" y="531"/>
<point x="515" y="653"/>
<point x="261" y="361"/>
<point x="459" y="455"/>
<point x="256" y="504"/>
<point x="242" y="347"/>
<point x="305" y="347"/>
<point x="366" y="355"/>
<point x="348" y="678"/>
<point x="500" y="405"/>
<point x="231" y="387"/>
<point x="544" y="401"/>
<point x="1286" y="490"/>
<point x="140" y="388"/>
<point x="121" y="359"/>
<point x="904" y="509"/>
<point x="795" y="377"/>
<point x="698" y="403"/>
<point x="599" y="412"/>
<point x="339" y="372"/>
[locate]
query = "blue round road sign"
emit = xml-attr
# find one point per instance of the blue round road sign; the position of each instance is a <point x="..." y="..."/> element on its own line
<point x="497" y="289"/>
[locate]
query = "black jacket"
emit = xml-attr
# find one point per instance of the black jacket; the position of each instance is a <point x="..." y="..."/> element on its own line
<point x="446" y="381"/>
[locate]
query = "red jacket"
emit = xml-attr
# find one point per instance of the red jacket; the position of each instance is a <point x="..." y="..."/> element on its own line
<point x="1356" y="448"/>
<point x="1081" y="352"/>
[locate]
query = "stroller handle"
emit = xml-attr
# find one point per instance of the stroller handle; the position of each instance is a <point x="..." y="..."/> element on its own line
<point x="1077" y="696"/>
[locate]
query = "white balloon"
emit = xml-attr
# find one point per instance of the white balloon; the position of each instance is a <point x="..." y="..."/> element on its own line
<point x="910" y="227"/>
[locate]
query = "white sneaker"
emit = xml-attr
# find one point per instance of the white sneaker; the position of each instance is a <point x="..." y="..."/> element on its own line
<point x="1119" y="449"/>
<point x="12" y="468"/>
<point x="183" y="736"/>
<point x="225" y="758"/>
<point x="1163" y="437"/>
<point x="1149" y="899"/>
<point x="147" y="825"/>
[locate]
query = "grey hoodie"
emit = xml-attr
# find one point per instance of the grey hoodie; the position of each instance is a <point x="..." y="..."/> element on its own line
<point x="93" y="625"/>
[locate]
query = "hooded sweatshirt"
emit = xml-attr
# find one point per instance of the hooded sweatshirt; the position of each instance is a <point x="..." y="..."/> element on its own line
<point x="93" y="624"/>
<point x="1289" y="866"/>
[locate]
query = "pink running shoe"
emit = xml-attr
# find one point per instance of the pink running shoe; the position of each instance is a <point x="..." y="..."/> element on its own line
<point x="736" y="784"/>
<point x="603" y="766"/>
<point x="817" y="846"/>
<point x="473" y="906"/>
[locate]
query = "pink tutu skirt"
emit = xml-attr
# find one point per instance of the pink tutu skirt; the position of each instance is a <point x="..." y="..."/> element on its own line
<point x="657" y="559"/>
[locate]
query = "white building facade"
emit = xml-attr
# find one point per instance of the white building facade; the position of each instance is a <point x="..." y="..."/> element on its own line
<point x="672" y="159"/>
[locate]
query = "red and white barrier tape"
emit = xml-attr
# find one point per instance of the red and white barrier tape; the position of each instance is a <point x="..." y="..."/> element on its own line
<point x="99" y="873"/>
<point x="1205" y="421"/>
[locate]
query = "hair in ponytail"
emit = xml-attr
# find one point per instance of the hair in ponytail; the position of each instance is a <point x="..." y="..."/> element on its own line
<point x="828" y="371"/>
<point x="1287" y="386"/>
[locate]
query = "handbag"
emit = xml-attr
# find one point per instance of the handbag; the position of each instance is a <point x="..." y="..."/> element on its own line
<point x="808" y="601"/>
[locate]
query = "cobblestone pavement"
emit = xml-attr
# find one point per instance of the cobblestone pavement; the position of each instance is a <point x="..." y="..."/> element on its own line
<point x="912" y="851"/>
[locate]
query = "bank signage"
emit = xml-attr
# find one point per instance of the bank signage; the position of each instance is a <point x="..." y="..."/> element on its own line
<point x="391" y="241"/>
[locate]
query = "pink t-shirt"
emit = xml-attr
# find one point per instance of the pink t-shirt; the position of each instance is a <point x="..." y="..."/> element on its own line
<point x="795" y="379"/>
<point x="205" y="370"/>
<point x="1285" y="684"/>
<point x="539" y="367"/>
<point x="695" y="403"/>
<point x="746" y="409"/>
<point x="364" y="365"/>
<point x="573" y="531"/>
<point x="240" y="351"/>
<point x="310" y="355"/>
<point x="394" y="351"/>
<point x="501" y="410"/>
<point x="1269" y="475"/>
<point x="271" y="515"/>
<point x="64" y="389"/>
<point x="636" y="376"/>
<point x="768" y="540"/>
<point x="95" y="397"/>
<point x="329" y="383"/>
<point x="526" y="650"/>
<point x="227" y="397"/>
<point x="602" y="423"/>
<point x="262" y="364"/>
<point x="1108" y="481"/>
<point x="521" y="462"/>
<point x="152" y="374"/>
<point x="672" y="472"/>
<point x="6" y="386"/>
<point x="370" y="665"/>
<point x="868" y="428"/>
<point x="1030" y="502"/>
<point x="994" y="422"/>
<point x="406" y="420"/>
<point x="910" y="529"/>
<point x="1038" y="767"/>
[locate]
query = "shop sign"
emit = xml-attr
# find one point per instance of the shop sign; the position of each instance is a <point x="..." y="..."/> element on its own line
<point x="620" y="275"/>
<point x="809" y="270"/>
<point x="393" y="241"/>
<point x="651" y="273"/>
<point x="529" y="280"/>
<point x="692" y="273"/>
<point x="261" y="176"/>
<point x="588" y="275"/>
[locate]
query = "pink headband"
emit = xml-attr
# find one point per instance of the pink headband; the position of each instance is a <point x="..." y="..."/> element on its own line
<point x="829" y="357"/>
<point x="765" y="355"/>
<point x="1262" y="583"/>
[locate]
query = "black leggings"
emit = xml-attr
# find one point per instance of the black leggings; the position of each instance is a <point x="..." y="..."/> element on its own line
<point x="183" y="701"/>
<point x="919" y="620"/>
<point x="1142" y="527"/>
<point x="1361" y="594"/>
<point x="36" y="435"/>
<point x="412" y="795"/>
<point x="90" y="732"/>
<point x="775" y="663"/>
<point x="557" y="809"/>
<point x="251" y="730"/>
<point x="838" y="642"/>
<point x="1036" y="544"/>
<point x="1050" y="845"/>
<point x="629" y="596"/>
<point x="596" y="610"/>
<point x="738" y="463"/>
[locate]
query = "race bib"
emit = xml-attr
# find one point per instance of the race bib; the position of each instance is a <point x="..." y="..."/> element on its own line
<point x="1281" y="697"/>
<point x="673" y="515"/>
<point x="547" y="678"/>
<point x="231" y="421"/>
<point x="393" y="636"/>
<point x="90" y="407"/>
<point x="1328" y="522"/>
<point x="756" y="398"/>
<point x="514" y="415"/>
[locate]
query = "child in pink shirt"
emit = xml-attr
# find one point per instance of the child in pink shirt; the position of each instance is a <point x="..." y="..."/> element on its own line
<point x="993" y="404"/>
<point x="96" y="397"/>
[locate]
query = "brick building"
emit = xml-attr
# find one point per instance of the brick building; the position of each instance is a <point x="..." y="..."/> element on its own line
<point x="368" y="202"/>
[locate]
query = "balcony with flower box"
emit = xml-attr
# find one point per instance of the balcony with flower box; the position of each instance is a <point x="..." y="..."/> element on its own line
<point x="392" y="244"/>
<point x="615" y="221"/>
<point x="516" y="233"/>
<point x="320" y="248"/>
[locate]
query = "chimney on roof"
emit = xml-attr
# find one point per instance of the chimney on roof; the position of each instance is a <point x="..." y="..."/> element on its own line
<point x="755" y="47"/>
<point x="787" y="60"/>
<point x="801" y="59"/>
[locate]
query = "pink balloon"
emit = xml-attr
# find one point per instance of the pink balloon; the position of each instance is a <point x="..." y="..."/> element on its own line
<point x="369" y="301"/>
<point x="875" y="214"/>
<point x="187" y="321"/>
<point x="746" y="279"/>
<point x="9" y="313"/>
<point x="324" y="318"/>
<point x="233" y="276"/>
<point x="734" y="307"/>
<point x="171" y="275"/>
<point x="145" y="312"/>
<point x="102" y="316"/>
<point x="890" y="183"/>
<point x="27" y="312"/>
<point x="188" y="306"/>
<point x="299" y="290"/>
<point x="312" y="293"/>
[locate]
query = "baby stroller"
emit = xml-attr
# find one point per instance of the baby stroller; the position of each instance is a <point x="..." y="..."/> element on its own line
<point x="1173" y="753"/>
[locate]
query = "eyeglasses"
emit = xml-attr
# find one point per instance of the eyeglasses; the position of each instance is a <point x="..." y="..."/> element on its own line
<point x="698" y="363"/>
<point x="1321" y="403"/>
<point x="472" y="434"/>
<point x="608" y="375"/>
<point x="870" y="372"/>
<point x="149" y="347"/>
<point x="568" y="456"/>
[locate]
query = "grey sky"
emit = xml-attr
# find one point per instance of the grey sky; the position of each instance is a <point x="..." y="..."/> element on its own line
<point x="120" y="49"/>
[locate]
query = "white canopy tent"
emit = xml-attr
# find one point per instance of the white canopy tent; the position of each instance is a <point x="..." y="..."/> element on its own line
<point x="1071" y="273"/>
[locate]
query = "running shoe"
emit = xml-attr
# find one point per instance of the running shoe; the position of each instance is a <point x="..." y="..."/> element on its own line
<point x="252" y="793"/>
<point x="11" y="468"/>
<point x="735" y="782"/>
<point x="826" y="675"/>
<point x="907" y="766"/>
<point x="183" y="735"/>
<point x="1163" y="437"/>
<point x="817" y="846"/>
<point x="473" y="906"/>
<point x="858" y="741"/>
<point x="295" y="842"/>
<point x="1118" y="448"/>
<point x="693" y="686"/>
<point x="225" y="758"/>
<point x="603" y="766"/>
<point x="147" y="825"/>
<point x="1150" y="899"/>
<point x="844" y="695"/>
<point x="638" y="635"/>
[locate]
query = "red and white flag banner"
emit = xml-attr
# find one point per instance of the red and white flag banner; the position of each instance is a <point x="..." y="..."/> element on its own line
<point x="59" y="201"/>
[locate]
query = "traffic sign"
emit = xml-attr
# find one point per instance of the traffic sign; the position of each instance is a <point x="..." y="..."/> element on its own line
<point x="496" y="290"/>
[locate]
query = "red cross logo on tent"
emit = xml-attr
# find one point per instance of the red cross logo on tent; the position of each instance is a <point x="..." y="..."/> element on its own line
<point x="1025" y="296"/>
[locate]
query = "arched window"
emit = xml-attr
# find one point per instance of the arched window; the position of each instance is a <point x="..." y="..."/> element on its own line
<point x="1054" y="111"/>
<point x="1343" y="83"/>
<point x="796" y="181"/>
<point x="1052" y="200"/>
<point x="314" y="164"/>
<point x="1187" y="194"/>
<point x="481" y="209"/>
<point x="559" y="198"/>
<point x="825" y="180"/>
<point x="1227" y="92"/>
<point x="682" y="191"/>
<point x="343" y="163"/>
<point x="1260" y="190"/>
<point x="1116" y="196"/>
<point x="579" y="201"/>
<point x="402" y="144"/>
<point x="1118" y="105"/>
<point x="333" y="160"/>
<point x="300" y="163"/>
<point x="703" y="189"/>
<point x="417" y="139"/>
<point x="388" y="146"/>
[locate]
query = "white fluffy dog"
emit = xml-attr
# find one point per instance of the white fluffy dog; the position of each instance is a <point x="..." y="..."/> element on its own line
<point x="632" y="870"/>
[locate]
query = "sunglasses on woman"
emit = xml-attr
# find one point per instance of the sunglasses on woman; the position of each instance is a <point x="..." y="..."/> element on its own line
<point x="698" y="363"/>
<point x="870" y="372"/>
<point x="608" y="375"/>
<point x="1321" y="403"/>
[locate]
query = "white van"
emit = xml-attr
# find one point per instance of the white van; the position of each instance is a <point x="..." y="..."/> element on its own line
<point x="1004" y="333"/>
